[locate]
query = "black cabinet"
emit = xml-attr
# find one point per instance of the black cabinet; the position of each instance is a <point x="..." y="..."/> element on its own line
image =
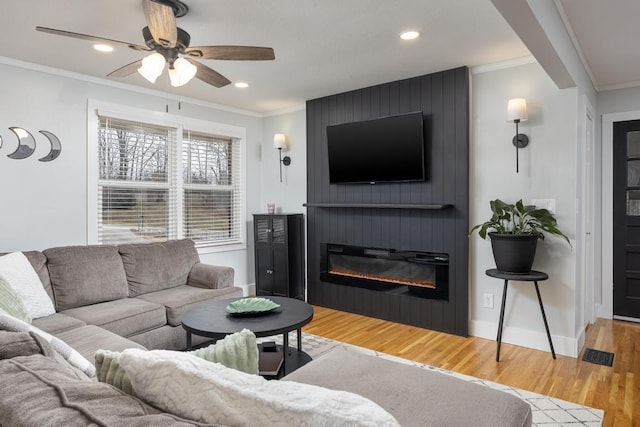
<point x="279" y="253"/>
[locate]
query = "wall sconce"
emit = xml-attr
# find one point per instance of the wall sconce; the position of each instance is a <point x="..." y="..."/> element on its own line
<point x="516" y="113"/>
<point x="280" y="142"/>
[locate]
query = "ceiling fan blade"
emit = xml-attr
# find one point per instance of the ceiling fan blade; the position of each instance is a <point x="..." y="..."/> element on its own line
<point x="90" y="38"/>
<point x="208" y="75"/>
<point x="234" y="53"/>
<point x="161" y="22"/>
<point x="126" y="70"/>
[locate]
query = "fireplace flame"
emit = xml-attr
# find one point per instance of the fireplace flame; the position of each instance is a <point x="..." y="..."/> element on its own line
<point x="421" y="284"/>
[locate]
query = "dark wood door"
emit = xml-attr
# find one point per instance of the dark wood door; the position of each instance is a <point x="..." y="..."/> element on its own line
<point x="626" y="219"/>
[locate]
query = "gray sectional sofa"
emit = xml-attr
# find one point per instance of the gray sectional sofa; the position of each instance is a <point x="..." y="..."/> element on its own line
<point x="118" y="296"/>
<point x="133" y="296"/>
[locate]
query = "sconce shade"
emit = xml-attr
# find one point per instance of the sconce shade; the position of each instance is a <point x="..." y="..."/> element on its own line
<point x="517" y="110"/>
<point x="152" y="67"/>
<point x="279" y="141"/>
<point x="181" y="72"/>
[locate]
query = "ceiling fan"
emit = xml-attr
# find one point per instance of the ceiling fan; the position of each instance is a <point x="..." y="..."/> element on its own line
<point x="170" y="45"/>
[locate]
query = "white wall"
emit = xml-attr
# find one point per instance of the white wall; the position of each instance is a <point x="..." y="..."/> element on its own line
<point x="45" y="204"/>
<point x="291" y="193"/>
<point x="547" y="171"/>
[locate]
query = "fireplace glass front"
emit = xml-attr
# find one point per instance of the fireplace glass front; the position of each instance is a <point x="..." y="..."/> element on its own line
<point x="421" y="274"/>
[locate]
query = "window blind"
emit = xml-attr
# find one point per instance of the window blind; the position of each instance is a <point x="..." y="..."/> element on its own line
<point x="136" y="183"/>
<point x="211" y="188"/>
<point x="155" y="184"/>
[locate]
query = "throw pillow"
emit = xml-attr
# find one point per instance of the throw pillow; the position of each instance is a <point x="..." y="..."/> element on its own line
<point x="18" y="272"/>
<point x="11" y="303"/>
<point x="13" y="324"/>
<point x="212" y="393"/>
<point x="109" y="371"/>
<point x="237" y="351"/>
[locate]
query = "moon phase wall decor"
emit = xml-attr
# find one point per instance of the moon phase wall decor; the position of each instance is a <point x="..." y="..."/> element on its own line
<point x="56" y="147"/>
<point x="27" y="145"/>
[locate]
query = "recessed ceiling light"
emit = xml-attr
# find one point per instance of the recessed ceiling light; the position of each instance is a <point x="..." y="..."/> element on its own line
<point x="103" y="47"/>
<point x="409" y="35"/>
<point x="242" y="85"/>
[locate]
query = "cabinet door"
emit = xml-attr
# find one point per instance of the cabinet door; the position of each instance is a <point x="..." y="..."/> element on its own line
<point x="280" y="256"/>
<point x="263" y="230"/>
<point x="280" y="270"/>
<point x="264" y="270"/>
<point x="279" y="230"/>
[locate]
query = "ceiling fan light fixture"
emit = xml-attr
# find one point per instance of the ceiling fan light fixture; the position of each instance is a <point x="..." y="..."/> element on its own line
<point x="241" y="85"/>
<point x="152" y="67"/>
<point x="181" y="72"/>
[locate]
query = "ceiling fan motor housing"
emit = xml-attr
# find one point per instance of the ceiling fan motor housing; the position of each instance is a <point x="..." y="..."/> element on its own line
<point x="170" y="53"/>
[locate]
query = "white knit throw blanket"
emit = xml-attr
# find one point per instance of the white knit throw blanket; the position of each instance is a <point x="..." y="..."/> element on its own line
<point x="212" y="393"/>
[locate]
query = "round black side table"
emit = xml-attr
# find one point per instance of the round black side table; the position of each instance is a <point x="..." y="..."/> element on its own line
<point x="532" y="276"/>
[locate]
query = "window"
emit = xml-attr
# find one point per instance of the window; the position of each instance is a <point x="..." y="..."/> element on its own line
<point x="158" y="181"/>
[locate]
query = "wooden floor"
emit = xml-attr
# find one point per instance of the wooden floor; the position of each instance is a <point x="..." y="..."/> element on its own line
<point x="615" y="389"/>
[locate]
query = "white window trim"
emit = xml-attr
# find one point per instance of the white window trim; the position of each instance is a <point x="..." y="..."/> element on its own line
<point x="96" y="108"/>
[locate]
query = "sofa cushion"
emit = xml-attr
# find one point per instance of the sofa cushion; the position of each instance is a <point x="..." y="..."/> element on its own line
<point x="57" y="322"/>
<point x="125" y="317"/>
<point x="82" y="275"/>
<point x="181" y="299"/>
<point x="44" y="393"/>
<point x="20" y="275"/>
<point x="156" y="266"/>
<point x="415" y="396"/>
<point x="89" y="339"/>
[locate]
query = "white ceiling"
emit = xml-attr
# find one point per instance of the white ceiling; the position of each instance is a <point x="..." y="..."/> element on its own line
<point x="321" y="47"/>
<point x="607" y="35"/>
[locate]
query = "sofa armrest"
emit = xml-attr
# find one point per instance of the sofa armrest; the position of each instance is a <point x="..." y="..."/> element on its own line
<point x="210" y="276"/>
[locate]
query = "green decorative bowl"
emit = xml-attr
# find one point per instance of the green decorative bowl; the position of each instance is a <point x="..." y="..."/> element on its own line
<point x="251" y="306"/>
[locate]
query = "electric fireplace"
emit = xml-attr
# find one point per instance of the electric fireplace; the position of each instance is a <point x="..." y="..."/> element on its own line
<point x="420" y="274"/>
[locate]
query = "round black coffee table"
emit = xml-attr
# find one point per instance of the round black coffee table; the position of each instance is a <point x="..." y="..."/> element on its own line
<point x="211" y="320"/>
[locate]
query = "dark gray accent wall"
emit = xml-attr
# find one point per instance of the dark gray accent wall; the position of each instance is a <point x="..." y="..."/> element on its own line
<point x="444" y="99"/>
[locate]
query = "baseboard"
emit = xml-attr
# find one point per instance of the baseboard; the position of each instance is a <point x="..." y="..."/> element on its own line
<point x="526" y="338"/>
<point x="604" y="312"/>
<point x="248" y="290"/>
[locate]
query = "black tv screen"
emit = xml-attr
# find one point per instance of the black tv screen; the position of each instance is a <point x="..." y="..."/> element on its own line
<point x="388" y="149"/>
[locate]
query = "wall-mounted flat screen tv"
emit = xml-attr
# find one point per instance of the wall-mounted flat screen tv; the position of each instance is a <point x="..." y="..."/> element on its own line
<point x="388" y="149"/>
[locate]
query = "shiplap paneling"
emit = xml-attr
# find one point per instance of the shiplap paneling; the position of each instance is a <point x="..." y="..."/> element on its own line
<point x="444" y="100"/>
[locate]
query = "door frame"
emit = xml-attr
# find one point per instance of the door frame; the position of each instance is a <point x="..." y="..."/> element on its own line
<point x="589" y="216"/>
<point x="605" y="308"/>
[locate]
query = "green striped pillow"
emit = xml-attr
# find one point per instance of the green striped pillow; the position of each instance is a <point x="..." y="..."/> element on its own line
<point x="11" y="303"/>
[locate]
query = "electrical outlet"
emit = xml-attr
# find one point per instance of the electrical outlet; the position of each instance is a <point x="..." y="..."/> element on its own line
<point x="487" y="301"/>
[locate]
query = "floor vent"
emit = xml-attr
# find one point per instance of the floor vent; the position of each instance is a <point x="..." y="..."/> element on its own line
<point x="598" y="357"/>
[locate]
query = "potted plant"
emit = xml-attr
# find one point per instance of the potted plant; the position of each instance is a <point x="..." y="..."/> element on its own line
<point x="516" y="230"/>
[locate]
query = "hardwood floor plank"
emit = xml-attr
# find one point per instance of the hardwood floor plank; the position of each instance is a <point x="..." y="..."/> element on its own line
<point x="614" y="389"/>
